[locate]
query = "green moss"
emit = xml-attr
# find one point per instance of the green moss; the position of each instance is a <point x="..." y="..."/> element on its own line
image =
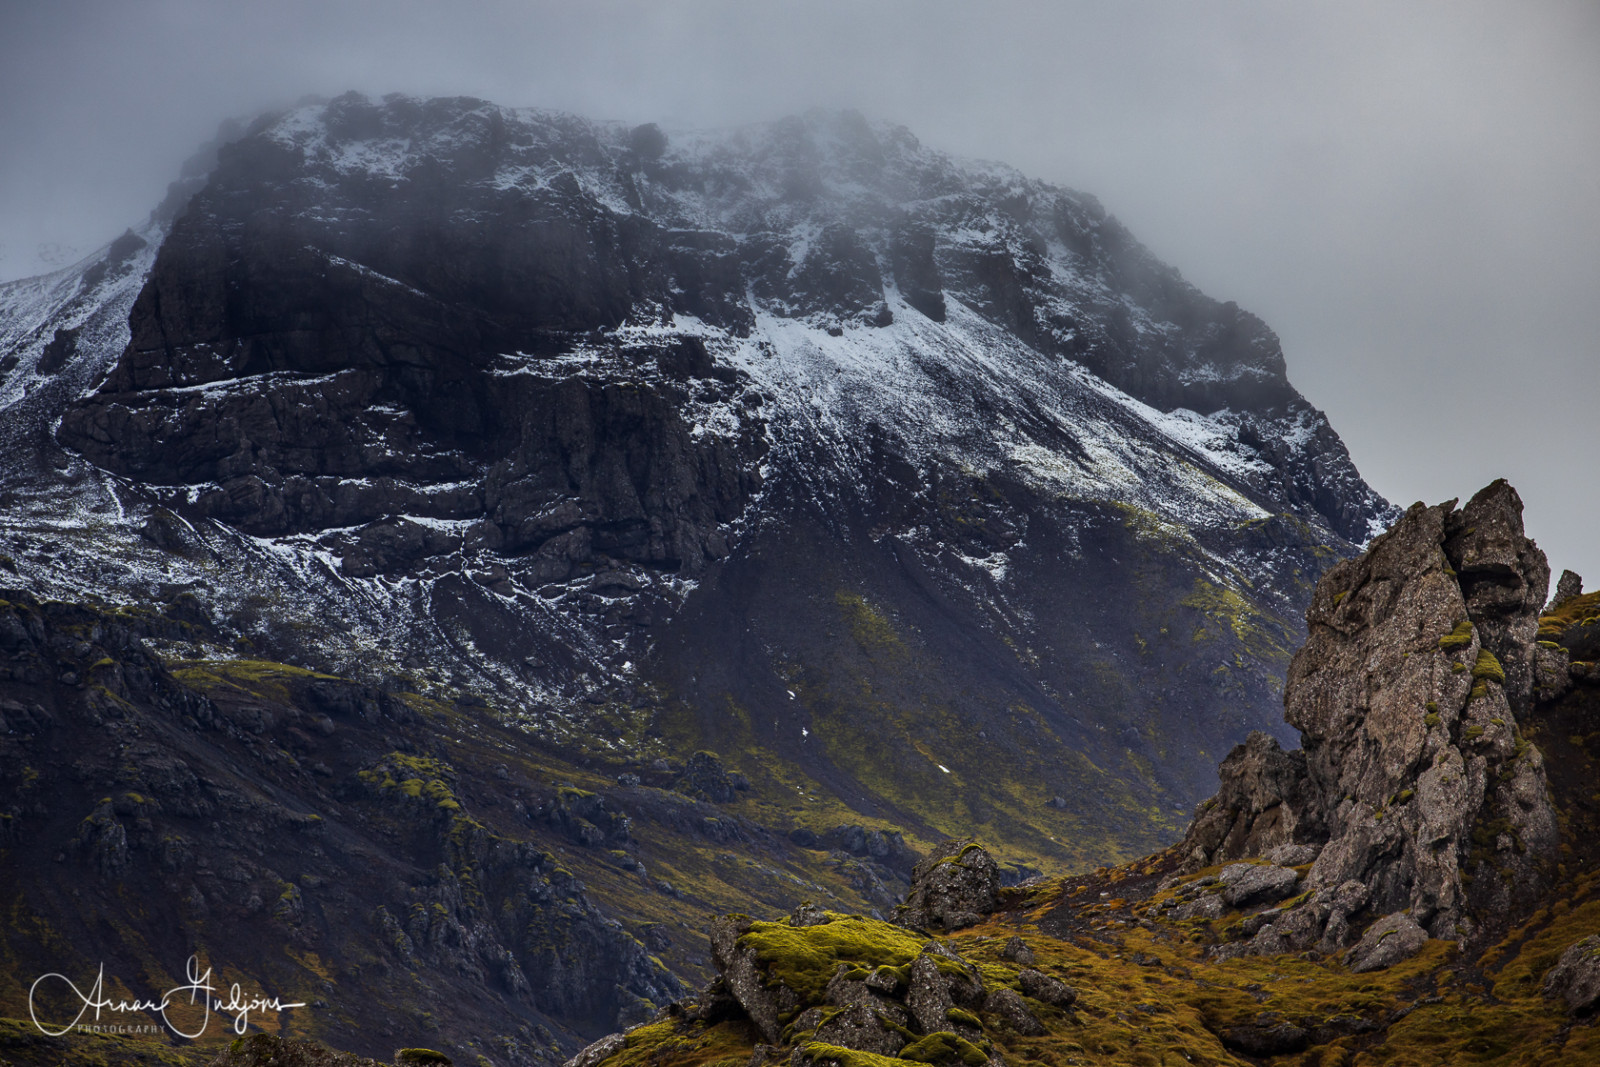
<point x="420" y="1055"/>
<point x="1431" y="719"/>
<point x="943" y="1047"/>
<point x="963" y="1017"/>
<point x="1254" y="630"/>
<point x="260" y="677"/>
<point x="816" y="1051"/>
<point x="871" y="629"/>
<point x="1487" y="667"/>
<point x="1472" y="733"/>
<point x="1460" y="637"/>
<point x="804" y="958"/>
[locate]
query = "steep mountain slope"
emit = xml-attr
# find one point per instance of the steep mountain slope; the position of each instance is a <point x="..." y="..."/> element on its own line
<point x="914" y="488"/>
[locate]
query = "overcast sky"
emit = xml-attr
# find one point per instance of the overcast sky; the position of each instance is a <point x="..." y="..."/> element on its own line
<point x="1409" y="193"/>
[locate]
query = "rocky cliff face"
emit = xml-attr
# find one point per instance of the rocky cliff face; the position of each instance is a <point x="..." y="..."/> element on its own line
<point x="1415" y="780"/>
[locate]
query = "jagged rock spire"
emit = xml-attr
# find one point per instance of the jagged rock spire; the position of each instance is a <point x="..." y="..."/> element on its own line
<point x="1417" y="782"/>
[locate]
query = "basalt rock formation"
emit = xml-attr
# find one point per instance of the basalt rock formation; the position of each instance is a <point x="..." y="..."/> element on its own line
<point x="1414" y="781"/>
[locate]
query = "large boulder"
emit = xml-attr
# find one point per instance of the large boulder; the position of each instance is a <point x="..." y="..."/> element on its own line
<point x="1576" y="976"/>
<point x="958" y="885"/>
<point x="1247" y="884"/>
<point x="740" y="967"/>
<point x="1388" y="941"/>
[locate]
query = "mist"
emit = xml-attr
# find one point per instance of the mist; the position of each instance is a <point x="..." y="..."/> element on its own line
<point x="1409" y="196"/>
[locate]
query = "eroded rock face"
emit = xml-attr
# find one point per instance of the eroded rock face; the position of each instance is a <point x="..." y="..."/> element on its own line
<point x="1413" y="772"/>
<point x="956" y="886"/>
<point x="741" y="973"/>
<point x="1262" y="805"/>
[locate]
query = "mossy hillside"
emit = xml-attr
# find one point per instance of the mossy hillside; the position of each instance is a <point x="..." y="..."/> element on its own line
<point x="1149" y="992"/>
<point x="654" y="1044"/>
<point x="260" y="678"/>
<point x="23" y="1045"/>
<point x="452" y="752"/>
<point x="848" y="696"/>
<point x="1263" y="637"/>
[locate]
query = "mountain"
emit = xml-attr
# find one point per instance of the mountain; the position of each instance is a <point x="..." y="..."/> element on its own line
<point x="539" y="536"/>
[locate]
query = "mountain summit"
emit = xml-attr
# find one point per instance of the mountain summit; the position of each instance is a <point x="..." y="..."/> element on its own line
<point x="758" y="507"/>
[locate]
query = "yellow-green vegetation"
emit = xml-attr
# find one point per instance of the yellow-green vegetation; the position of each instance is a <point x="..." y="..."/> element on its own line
<point x="1151" y="528"/>
<point x="654" y="1044"/>
<point x="1149" y="993"/>
<point x="1249" y="626"/>
<point x="871" y="629"/>
<point x="943" y="1047"/>
<point x="1460" y="637"/>
<point x="262" y="678"/>
<point x="420" y="777"/>
<point x="1488" y="668"/>
<point x="804" y="958"/>
<point x="1579" y="611"/>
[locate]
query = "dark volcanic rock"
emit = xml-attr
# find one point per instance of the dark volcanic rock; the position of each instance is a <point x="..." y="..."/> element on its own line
<point x="1263" y="803"/>
<point x="1247" y="884"/>
<point x="1014" y="1012"/>
<point x="957" y="885"/>
<point x="1047" y="988"/>
<point x="1269" y="1035"/>
<point x="740" y="969"/>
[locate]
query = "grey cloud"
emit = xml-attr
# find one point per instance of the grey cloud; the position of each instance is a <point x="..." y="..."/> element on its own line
<point x="1407" y="193"/>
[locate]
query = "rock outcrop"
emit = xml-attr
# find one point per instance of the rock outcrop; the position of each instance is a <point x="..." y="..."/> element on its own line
<point x="956" y="886"/>
<point x="1414" y="781"/>
<point x="834" y="985"/>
